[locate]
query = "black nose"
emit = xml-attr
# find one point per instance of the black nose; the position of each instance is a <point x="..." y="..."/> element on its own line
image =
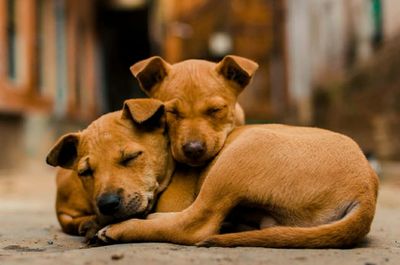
<point x="109" y="203"/>
<point x="194" y="149"/>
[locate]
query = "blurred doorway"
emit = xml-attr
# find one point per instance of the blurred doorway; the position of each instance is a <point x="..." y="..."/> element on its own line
<point x="123" y="40"/>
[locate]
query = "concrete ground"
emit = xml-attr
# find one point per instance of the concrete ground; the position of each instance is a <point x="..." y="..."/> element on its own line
<point x="30" y="234"/>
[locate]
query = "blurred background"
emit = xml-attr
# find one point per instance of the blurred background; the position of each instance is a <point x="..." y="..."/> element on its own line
<point x="327" y="63"/>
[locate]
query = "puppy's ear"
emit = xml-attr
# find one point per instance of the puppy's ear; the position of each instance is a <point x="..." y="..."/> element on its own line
<point x="145" y="111"/>
<point x="237" y="69"/>
<point x="150" y="73"/>
<point x="64" y="152"/>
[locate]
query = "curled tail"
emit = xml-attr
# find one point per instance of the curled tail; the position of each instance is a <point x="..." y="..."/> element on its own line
<point x="342" y="233"/>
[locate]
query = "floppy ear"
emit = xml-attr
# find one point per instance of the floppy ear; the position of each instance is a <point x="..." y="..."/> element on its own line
<point x="150" y="73"/>
<point x="145" y="111"/>
<point x="238" y="70"/>
<point x="64" y="152"/>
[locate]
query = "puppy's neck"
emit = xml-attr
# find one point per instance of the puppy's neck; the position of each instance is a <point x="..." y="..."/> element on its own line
<point x="171" y="165"/>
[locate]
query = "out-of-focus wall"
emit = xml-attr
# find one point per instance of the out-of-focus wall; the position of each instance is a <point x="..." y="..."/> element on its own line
<point x="391" y="17"/>
<point x="327" y="38"/>
<point x="316" y="33"/>
<point x="48" y="60"/>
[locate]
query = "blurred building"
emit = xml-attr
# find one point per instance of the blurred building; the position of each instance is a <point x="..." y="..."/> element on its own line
<point x="326" y="38"/>
<point x="343" y="74"/>
<point x="71" y="58"/>
<point x="55" y="53"/>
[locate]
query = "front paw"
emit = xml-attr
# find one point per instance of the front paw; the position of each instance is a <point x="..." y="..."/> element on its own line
<point x="88" y="229"/>
<point x="106" y="235"/>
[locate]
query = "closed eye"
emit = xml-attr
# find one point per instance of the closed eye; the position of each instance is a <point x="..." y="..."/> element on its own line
<point x="214" y="110"/>
<point x="87" y="172"/>
<point x="127" y="158"/>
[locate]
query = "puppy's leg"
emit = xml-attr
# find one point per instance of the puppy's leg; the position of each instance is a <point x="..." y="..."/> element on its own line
<point x="201" y="220"/>
<point x="158" y="215"/>
<point x="80" y="225"/>
<point x="341" y="233"/>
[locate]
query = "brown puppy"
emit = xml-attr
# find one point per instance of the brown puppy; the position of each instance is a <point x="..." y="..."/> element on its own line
<point x="114" y="169"/>
<point x="201" y="101"/>
<point x="202" y="110"/>
<point x="316" y="187"/>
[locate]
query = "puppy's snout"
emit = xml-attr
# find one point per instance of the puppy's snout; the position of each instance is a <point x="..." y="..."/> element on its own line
<point x="109" y="203"/>
<point x="194" y="149"/>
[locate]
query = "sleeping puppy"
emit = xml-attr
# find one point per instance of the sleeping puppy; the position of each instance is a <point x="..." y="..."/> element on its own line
<point x="202" y="109"/>
<point x="114" y="169"/>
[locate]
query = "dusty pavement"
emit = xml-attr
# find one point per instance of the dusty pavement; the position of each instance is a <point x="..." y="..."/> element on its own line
<point x="29" y="233"/>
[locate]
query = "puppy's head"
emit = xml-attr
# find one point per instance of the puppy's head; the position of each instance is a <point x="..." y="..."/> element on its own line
<point x="123" y="159"/>
<point x="200" y="99"/>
